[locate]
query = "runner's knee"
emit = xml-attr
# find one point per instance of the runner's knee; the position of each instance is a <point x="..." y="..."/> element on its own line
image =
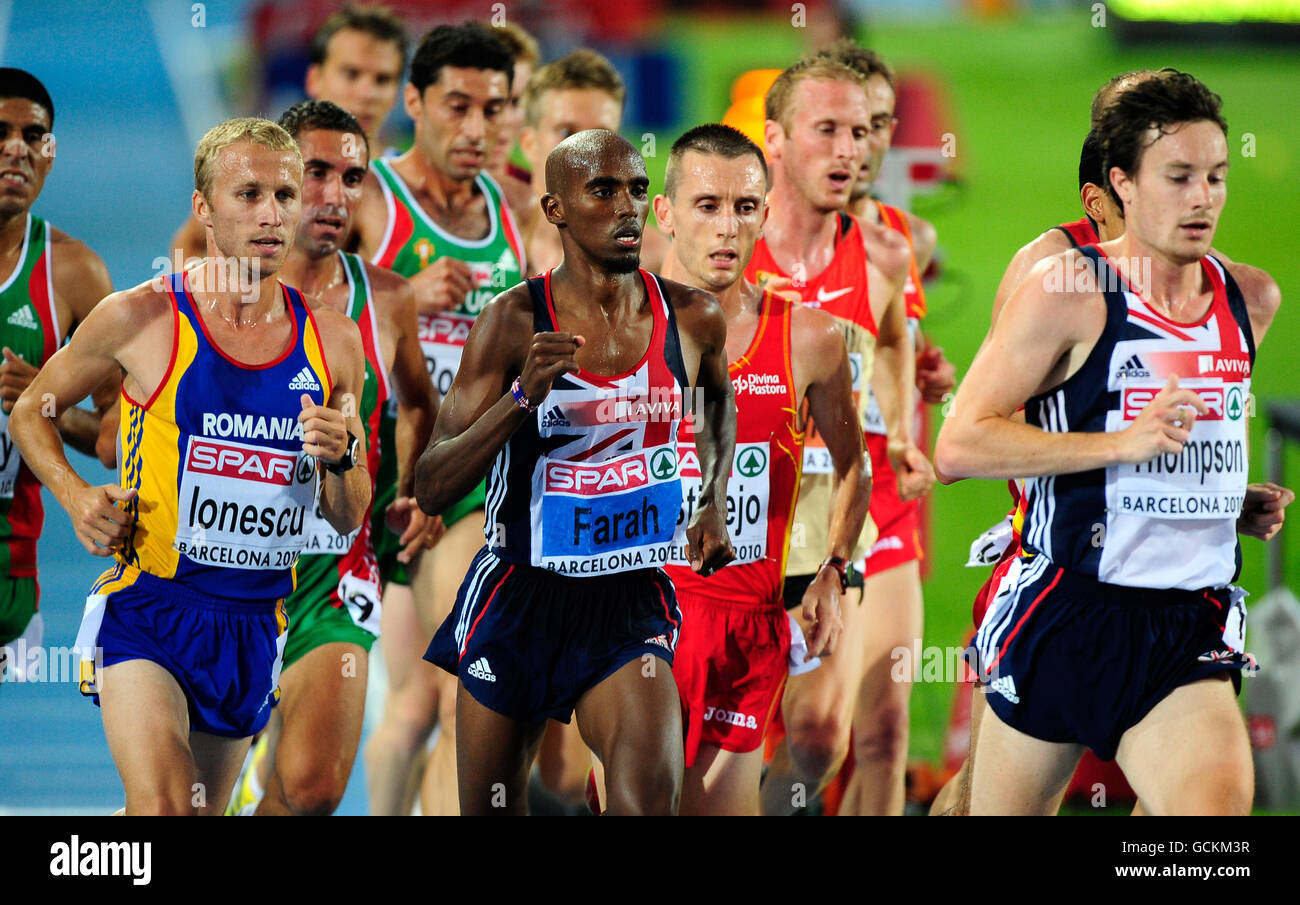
<point x="883" y="737"/>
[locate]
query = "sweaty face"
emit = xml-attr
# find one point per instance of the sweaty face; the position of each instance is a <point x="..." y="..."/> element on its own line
<point x="1174" y="201"/>
<point x="604" y="207"/>
<point x="360" y="73"/>
<point x="566" y="112"/>
<point x="880" y="102"/>
<point x="255" y="204"/>
<point x="513" y="118"/>
<point x="334" y="169"/>
<point x="26" y="153"/>
<point x="826" y="143"/>
<point x="459" y="118"/>
<point x="717" y="216"/>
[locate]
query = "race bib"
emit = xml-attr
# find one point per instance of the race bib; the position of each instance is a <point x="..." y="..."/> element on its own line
<point x="320" y="538"/>
<point x="816" y="457"/>
<point x="11" y="461"/>
<point x="243" y="506"/>
<point x="748" y="490"/>
<point x="361" y="597"/>
<point x="1207" y="480"/>
<point x="987" y="549"/>
<point x="873" y="422"/>
<point x="607" y="517"/>
<point x="442" y="339"/>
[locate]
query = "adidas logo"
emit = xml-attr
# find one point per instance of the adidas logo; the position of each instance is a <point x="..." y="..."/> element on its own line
<point x="1006" y="686"/>
<point x="304" y="380"/>
<point x="554" y="417"/>
<point x="24" y="317"/>
<point x="1133" y="368"/>
<point x="479" y="669"/>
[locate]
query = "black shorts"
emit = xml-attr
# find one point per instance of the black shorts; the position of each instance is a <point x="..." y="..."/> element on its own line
<point x="1067" y="658"/>
<point x="797" y="585"/>
<point x="528" y="643"/>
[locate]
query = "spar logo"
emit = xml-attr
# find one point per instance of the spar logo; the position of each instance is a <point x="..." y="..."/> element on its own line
<point x="752" y="462"/>
<point x="1235" y="408"/>
<point x="663" y="464"/>
<point x="588" y="480"/>
<point x="248" y="463"/>
<point x="1137" y="398"/>
<point x="445" y="329"/>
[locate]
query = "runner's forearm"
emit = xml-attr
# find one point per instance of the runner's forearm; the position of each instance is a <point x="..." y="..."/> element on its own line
<point x="449" y="468"/>
<point x="996" y="447"/>
<point x="715" y="441"/>
<point x="849" y="505"/>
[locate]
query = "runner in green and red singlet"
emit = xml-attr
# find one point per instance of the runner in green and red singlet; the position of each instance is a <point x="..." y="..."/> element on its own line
<point x="435" y="216"/>
<point x="48" y="284"/>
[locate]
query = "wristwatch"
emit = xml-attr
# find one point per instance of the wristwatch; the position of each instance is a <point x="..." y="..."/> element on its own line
<point x="840" y="565"/>
<point x="350" y="456"/>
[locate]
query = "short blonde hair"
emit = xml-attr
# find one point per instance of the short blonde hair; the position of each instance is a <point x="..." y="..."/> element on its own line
<point x="246" y="128"/>
<point x="780" y="96"/>
<point x="522" y="46"/>
<point x="581" y="69"/>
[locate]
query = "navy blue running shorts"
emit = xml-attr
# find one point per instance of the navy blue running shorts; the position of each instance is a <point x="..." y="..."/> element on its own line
<point x="528" y="643"/>
<point x="1067" y="658"/>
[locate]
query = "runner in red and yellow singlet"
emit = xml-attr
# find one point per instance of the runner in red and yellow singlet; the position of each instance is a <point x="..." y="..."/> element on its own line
<point x="734" y="651"/>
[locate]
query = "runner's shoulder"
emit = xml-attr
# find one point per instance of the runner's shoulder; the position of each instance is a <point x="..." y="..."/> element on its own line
<point x="925" y="238"/>
<point x="129" y="313"/>
<point x="385" y="285"/>
<point x="814" y="332"/>
<point x="886" y="248"/>
<point x="1048" y="243"/>
<point x="73" y="259"/>
<point x="696" y="310"/>
<point x="1262" y="294"/>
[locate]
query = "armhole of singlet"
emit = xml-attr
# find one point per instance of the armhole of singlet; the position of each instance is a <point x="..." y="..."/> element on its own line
<point x="176" y="342"/>
<point x="56" y="336"/>
<point x="788" y="314"/>
<point x="672" y="341"/>
<point x="293" y="296"/>
<point x="385" y="382"/>
<point x="1240" y="311"/>
<point x="390" y="205"/>
<point x="1110" y="333"/>
<point x="845" y="226"/>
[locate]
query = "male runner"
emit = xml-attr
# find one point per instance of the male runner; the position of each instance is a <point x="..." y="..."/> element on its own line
<point x="436" y="216"/>
<point x="733" y="655"/>
<point x="357" y="59"/>
<point x="334" y="609"/>
<point x="1125" y="465"/>
<point x="51" y="281"/>
<point x="891" y="570"/>
<point x="523" y="47"/>
<point x="577" y="92"/>
<point x="564" y="609"/>
<point x="219" y="471"/>
<point x="1103" y="221"/>
<point x="818" y="121"/>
